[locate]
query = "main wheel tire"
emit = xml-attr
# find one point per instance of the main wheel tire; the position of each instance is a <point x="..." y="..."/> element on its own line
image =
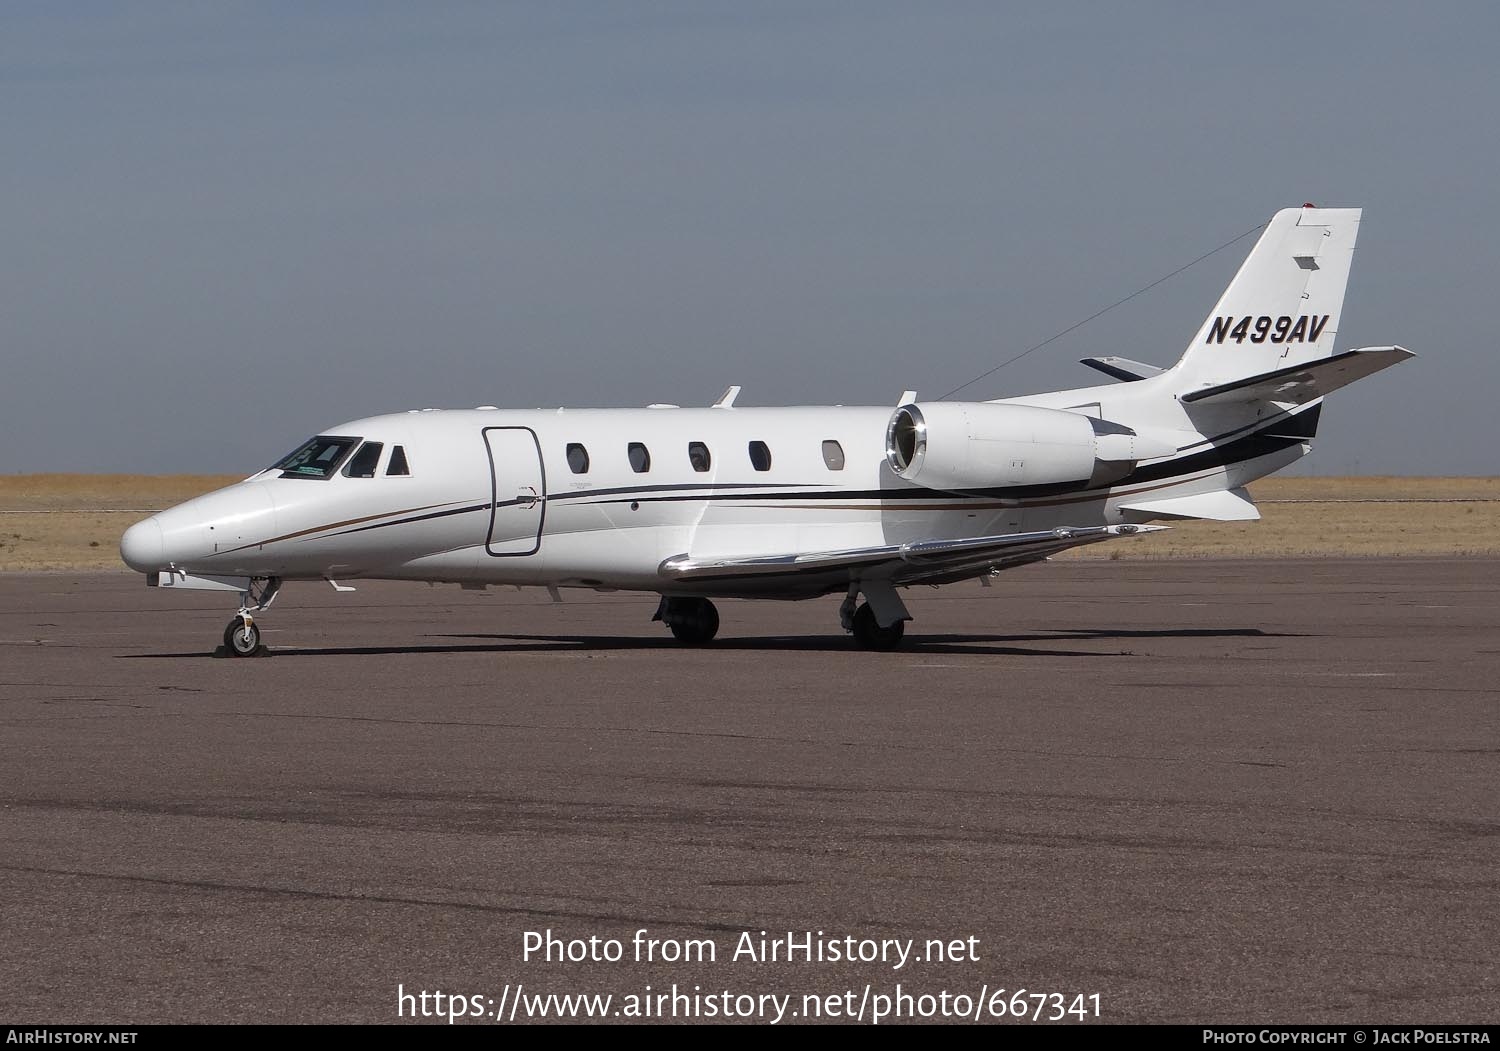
<point x="241" y="639"/>
<point x="694" y="621"/>
<point x="869" y="635"/>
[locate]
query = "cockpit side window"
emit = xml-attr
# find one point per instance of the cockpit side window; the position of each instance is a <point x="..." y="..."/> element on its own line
<point x="363" y="463"/>
<point x="316" y="458"/>
<point x="398" y="464"/>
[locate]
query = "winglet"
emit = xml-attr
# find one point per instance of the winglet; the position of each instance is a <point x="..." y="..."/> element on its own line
<point x="908" y="397"/>
<point x="726" y="400"/>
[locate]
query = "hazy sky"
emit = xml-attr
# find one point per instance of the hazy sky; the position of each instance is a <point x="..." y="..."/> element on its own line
<point x="225" y="227"/>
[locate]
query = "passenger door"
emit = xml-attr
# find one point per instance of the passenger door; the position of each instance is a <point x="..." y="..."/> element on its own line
<point x="518" y="487"/>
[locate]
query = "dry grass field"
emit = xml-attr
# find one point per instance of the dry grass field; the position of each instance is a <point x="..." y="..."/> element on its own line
<point x="1337" y="517"/>
<point x="63" y="521"/>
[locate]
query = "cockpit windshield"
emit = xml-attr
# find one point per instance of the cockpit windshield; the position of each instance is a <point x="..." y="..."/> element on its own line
<point x="316" y="458"/>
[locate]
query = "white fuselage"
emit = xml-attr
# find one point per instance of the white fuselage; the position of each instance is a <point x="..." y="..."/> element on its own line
<point x="491" y="497"/>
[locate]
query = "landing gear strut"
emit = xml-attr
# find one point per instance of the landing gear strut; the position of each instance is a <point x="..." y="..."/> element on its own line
<point x="242" y="636"/>
<point x="864" y="619"/>
<point x="694" y="621"/>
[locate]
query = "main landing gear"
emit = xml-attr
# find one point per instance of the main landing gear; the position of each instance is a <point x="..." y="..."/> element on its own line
<point x="242" y="636"/>
<point x="869" y="635"/>
<point x="694" y="621"/>
<point x="879" y="623"/>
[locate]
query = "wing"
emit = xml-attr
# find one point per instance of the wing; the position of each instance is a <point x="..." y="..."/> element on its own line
<point x="915" y="561"/>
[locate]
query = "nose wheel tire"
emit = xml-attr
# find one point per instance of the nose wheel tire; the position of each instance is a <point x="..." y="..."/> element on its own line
<point x="242" y="638"/>
<point x="869" y="635"/>
<point x="694" y="621"/>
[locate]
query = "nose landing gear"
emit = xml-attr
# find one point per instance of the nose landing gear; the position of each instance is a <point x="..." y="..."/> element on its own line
<point x="242" y="636"/>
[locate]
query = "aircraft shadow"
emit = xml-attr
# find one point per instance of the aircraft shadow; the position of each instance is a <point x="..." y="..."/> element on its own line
<point x="950" y="644"/>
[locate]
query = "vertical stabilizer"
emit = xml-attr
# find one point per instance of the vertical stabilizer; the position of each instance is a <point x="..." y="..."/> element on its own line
<point x="1282" y="308"/>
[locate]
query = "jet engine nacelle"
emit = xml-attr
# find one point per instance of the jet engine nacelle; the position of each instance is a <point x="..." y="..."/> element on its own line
<point x="979" y="445"/>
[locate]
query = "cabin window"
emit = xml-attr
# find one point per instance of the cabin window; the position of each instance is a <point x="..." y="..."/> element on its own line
<point x="699" y="457"/>
<point x="760" y="456"/>
<point x="363" y="463"/>
<point x="640" y="458"/>
<point x="833" y="455"/>
<point x="578" y="458"/>
<point x="316" y="458"/>
<point x="398" y="465"/>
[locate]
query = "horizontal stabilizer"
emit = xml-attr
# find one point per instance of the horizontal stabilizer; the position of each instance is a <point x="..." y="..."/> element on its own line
<point x="1122" y="368"/>
<point x="1303" y="383"/>
<point x="1226" y="505"/>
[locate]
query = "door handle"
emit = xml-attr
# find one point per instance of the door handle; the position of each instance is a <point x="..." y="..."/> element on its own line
<point x="528" y="497"/>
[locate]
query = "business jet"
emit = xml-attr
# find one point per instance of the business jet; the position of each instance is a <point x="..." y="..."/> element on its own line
<point x="697" y="504"/>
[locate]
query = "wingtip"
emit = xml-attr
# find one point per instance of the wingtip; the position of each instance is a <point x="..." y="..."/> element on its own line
<point x="1398" y="352"/>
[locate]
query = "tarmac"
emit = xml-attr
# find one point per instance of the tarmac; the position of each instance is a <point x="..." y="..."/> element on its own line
<point x="1236" y="791"/>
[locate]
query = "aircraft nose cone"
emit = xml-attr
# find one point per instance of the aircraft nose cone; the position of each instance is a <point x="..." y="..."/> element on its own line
<point x="143" y="548"/>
